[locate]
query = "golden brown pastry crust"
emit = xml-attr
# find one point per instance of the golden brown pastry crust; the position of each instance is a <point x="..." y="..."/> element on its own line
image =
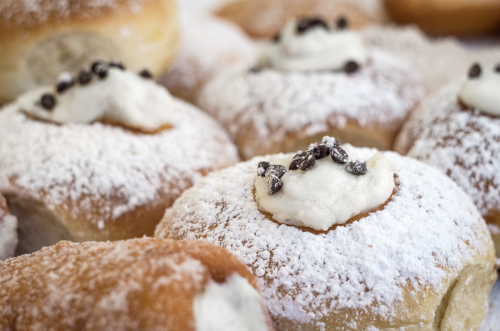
<point x="141" y="284"/>
<point x="456" y="17"/>
<point x="41" y="41"/>
<point x="264" y="18"/>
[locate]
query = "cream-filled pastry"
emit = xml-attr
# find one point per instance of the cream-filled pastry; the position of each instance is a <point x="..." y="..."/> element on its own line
<point x="101" y="155"/>
<point x="313" y="80"/>
<point x="457" y="130"/>
<point x="141" y="284"/>
<point x="419" y="259"/>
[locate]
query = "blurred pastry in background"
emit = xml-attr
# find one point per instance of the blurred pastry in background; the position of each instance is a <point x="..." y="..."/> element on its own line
<point x="42" y="38"/>
<point x="208" y="45"/>
<point x="457" y="130"/>
<point x="346" y="238"/>
<point x="8" y="231"/>
<point x="143" y="284"/>
<point x="101" y="155"/>
<point x="263" y="19"/>
<point x="448" y="17"/>
<point x="313" y="80"/>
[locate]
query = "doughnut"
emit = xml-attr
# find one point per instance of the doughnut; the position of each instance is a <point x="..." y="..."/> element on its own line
<point x="347" y="238"/>
<point x="139" y="284"/>
<point x="263" y="19"/>
<point x="455" y="17"/>
<point x="43" y="38"/>
<point x="315" y="80"/>
<point x="457" y="130"/>
<point x="8" y="233"/>
<point x="208" y="45"/>
<point x="101" y="155"/>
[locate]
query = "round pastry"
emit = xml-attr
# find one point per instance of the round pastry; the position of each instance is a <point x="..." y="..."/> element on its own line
<point x="41" y="38"/>
<point x="141" y="284"/>
<point x="346" y="238"/>
<point x="208" y="45"/>
<point x="264" y="18"/>
<point x="8" y="233"/>
<point x="101" y="156"/>
<point x="457" y="17"/>
<point x="458" y="131"/>
<point x="314" y="81"/>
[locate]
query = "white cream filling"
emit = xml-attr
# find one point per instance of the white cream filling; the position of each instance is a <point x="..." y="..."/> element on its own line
<point x="327" y="194"/>
<point x="123" y="97"/>
<point x="233" y="305"/>
<point x="315" y="49"/>
<point x="482" y="93"/>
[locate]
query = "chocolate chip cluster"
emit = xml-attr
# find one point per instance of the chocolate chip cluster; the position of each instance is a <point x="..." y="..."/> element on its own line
<point x="98" y="68"/>
<point x="306" y="160"/>
<point x="475" y="70"/>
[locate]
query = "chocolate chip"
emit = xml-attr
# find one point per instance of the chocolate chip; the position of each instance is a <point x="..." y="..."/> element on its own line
<point x="351" y="67"/>
<point x="48" y="101"/>
<point x="145" y="73"/>
<point x="342" y="23"/>
<point x="102" y="71"/>
<point x="277" y="38"/>
<point x="497" y="68"/>
<point x="274" y="184"/>
<point x="339" y="155"/>
<point x="319" y="151"/>
<point x="356" y="167"/>
<point x="95" y="65"/>
<point x="275" y="169"/>
<point x="329" y="142"/>
<point x="303" y="161"/>
<point x="262" y="167"/>
<point x="84" y="77"/>
<point x="116" y="64"/>
<point x="65" y="84"/>
<point x="475" y="71"/>
<point x="255" y="69"/>
<point x="308" y="23"/>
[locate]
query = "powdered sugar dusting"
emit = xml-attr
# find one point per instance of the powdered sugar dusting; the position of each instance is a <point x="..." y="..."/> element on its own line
<point x="463" y="144"/>
<point x="362" y="265"/>
<point x="103" y="284"/>
<point x="35" y="12"/>
<point x="208" y="45"/>
<point x="273" y="103"/>
<point x="88" y="164"/>
<point x="438" y="62"/>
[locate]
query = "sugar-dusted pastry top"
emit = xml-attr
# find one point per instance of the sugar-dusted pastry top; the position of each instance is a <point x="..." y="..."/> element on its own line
<point x="428" y="224"/>
<point x="309" y="44"/>
<point x="84" y="167"/>
<point x="144" y="284"/>
<point x="462" y="143"/>
<point x="208" y="45"/>
<point x="31" y="13"/>
<point x="271" y="103"/>
<point x="103" y="93"/>
<point x="327" y="192"/>
<point x="8" y="231"/>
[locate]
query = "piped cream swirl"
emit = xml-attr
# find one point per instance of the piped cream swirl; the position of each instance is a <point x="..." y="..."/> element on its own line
<point x="316" y="49"/>
<point x="327" y="194"/>
<point x="122" y="98"/>
<point x="482" y="92"/>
